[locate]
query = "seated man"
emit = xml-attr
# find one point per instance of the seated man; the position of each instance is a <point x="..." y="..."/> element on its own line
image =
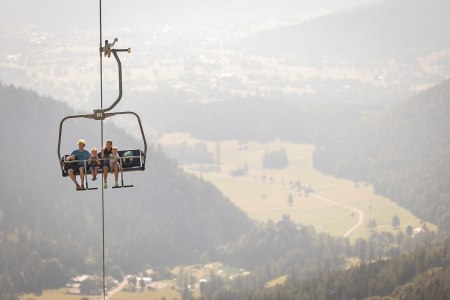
<point x="80" y="155"/>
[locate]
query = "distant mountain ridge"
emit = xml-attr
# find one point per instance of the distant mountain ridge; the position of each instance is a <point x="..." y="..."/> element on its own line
<point x="404" y="153"/>
<point x="395" y="29"/>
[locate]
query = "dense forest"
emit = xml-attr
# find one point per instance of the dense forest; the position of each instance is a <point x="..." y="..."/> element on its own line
<point x="404" y="152"/>
<point x="420" y="274"/>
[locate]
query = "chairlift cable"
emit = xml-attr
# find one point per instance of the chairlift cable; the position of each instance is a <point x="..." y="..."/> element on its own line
<point x="101" y="114"/>
<point x="101" y="143"/>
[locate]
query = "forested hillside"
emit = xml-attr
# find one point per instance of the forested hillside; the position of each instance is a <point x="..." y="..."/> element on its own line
<point x="294" y="262"/>
<point x="422" y="274"/>
<point x="404" y="153"/>
<point x="169" y="216"/>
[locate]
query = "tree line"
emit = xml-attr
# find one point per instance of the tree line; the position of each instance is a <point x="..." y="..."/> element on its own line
<point x="404" y="152"/>
<point x="302" y="255"/>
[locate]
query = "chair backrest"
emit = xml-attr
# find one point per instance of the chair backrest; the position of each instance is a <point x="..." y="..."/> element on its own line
<point x="132" y="160"/>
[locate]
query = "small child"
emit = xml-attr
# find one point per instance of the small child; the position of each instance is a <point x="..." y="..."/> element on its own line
<point x="94" y="163"/>
<point x="114" y="164"/>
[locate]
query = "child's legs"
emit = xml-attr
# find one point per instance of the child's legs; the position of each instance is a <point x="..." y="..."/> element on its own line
<point x="116" y="171"/>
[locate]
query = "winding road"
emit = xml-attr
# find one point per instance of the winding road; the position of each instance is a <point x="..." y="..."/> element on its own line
<point x="358" y="211"/>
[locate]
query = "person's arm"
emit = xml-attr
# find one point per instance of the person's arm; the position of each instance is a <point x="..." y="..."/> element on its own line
<point x="71" y="156"/>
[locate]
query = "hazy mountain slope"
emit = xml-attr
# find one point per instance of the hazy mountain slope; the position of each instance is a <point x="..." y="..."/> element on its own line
<point x="395" y="29"/>
<point x="169" y="216"/>
<point x="294" y="119"/>
<point x="404" y="152"/>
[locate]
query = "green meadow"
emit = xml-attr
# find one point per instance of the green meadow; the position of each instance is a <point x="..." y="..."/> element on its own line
<point x="263" y="194"/>
<point x="166" y="293"/>
<point x="59" y="294"/>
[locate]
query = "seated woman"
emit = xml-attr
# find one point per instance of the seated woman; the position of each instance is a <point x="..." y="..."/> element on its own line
<point x="115" y="168"/>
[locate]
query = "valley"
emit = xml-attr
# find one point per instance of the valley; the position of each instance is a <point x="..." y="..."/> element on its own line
<point x="330" y="204"/>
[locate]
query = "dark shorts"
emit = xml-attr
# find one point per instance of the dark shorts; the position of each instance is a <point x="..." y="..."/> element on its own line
<point x="104" y="163"/>
<point x="75" y="168"/>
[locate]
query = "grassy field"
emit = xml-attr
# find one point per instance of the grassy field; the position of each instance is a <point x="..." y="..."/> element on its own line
<point x="168" y="293"/>
<point x="60" y="294"/>
<point x="263" y="193"/>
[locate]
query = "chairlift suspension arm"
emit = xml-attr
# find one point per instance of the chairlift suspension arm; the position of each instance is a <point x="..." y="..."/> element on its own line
<point x="107" y="52"/>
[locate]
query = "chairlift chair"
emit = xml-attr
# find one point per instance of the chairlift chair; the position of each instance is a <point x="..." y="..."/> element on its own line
<point x="131" y="159"/>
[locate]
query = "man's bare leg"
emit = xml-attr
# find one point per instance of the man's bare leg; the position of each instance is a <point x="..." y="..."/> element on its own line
<point x="82" y="176"/>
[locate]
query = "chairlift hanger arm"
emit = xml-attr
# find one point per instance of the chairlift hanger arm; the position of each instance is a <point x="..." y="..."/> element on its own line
<point x="107" y="50"/>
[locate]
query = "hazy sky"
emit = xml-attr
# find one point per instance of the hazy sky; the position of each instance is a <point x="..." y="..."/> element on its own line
<point x="84" y="13"/>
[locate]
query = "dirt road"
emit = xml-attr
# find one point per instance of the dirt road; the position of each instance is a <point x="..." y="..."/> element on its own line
<point x="358" y="211"/>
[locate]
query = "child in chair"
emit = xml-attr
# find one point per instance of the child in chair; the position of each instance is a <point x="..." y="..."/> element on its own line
<point x="114" y="164"/>
<point x="94" y="163"/>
